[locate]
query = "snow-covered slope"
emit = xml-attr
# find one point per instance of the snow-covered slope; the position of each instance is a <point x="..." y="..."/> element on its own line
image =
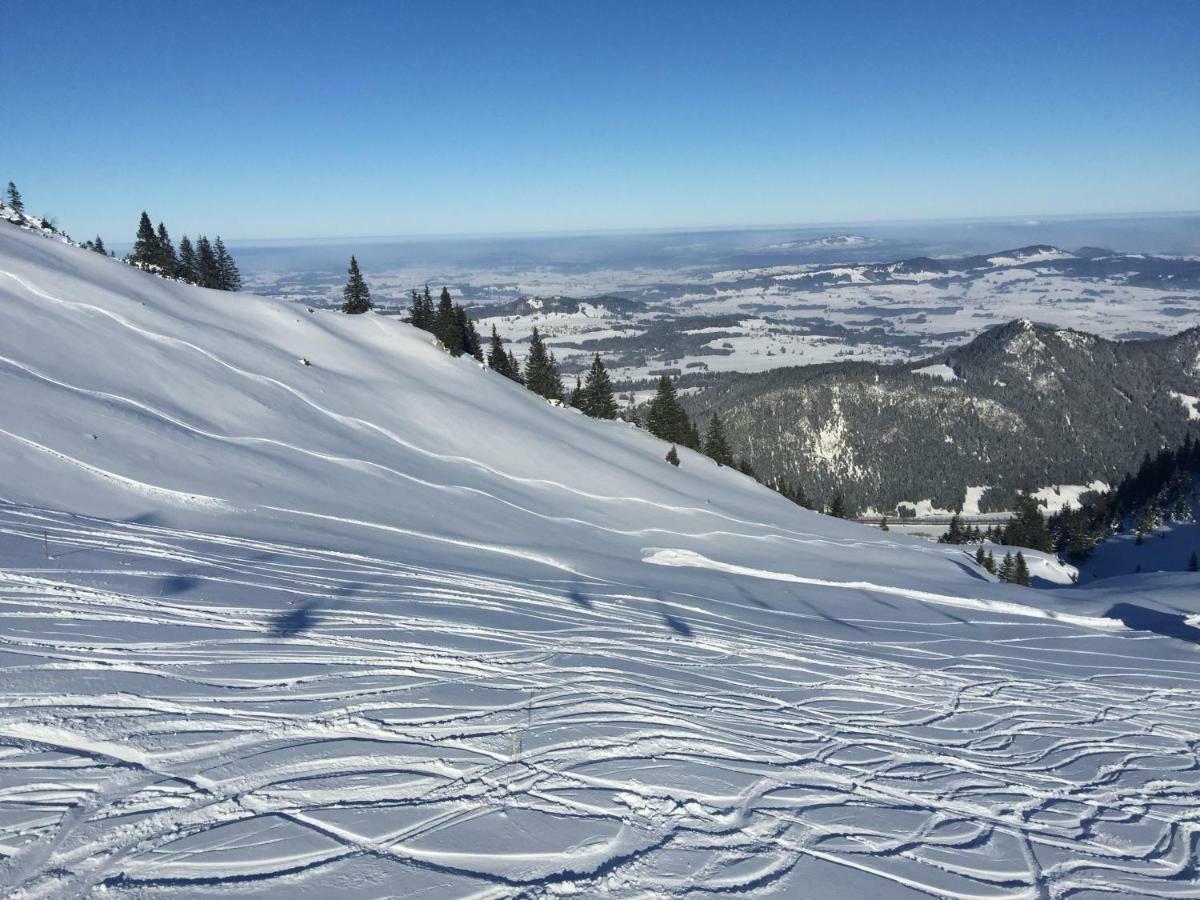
<point x="387" y="624"/>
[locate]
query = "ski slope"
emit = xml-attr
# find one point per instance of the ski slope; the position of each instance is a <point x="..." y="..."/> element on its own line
<point x="386" y="624"/>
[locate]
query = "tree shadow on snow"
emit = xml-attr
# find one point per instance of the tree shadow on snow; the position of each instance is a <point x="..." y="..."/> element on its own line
<point x="676" y="624"/>
<point x="974" y="573"/>
<point x="176" y="584"/>
<point x="147" y="518"/>
<point x="579" y="600"/>
<point x="1143" y="619"/>
<point x="828" y="618"/>
<point x="294" y="621"/>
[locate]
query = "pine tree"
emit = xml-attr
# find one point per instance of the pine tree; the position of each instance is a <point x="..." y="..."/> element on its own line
<point x="1021" y="570"/>
<point x="990" y="562"/>
<point x="541" y="373"/>
<point x="14" y="199"/>
<point x="206" y="263"/>
<point x="716" y="447"/>
<point x="445" y="327"/>
<point x="1193" y="563"/>
<point x="672" y="456"/>
<point x="165" y="259"/>
<point x="837" y="508"/>
<point x="1006" y="568"/>
<point x="356" y="296"/>
<point x="187" y="270"/>
<point x="575" y="400"/>
<point x="145" y="248"/>
<point x="981" y="556"/>
<point x="665" y="418"/>
<point x="1027" y="528"/>
<point x="598" y="401"/>
<point x="420" y="313"/>
<point x="98" y="246"/>
<point x="514" y="368"/>
<point x="459" y="341"/>
<point x="228" y="276"/>
<point x="497" y="360"/>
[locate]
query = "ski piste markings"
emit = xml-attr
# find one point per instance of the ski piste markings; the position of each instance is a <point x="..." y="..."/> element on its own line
<point x="832" y="776"/>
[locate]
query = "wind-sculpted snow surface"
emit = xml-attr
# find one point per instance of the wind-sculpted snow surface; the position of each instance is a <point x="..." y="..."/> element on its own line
<point x="388" y="625"/>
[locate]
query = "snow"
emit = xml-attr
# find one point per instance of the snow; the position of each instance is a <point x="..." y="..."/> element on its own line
<point x="388" y="623"/>
<point x="1066" y="496"/>
<point x="1026" y="258"/>
<point x="1190" y="404"/>
<point x="938" y="370"/>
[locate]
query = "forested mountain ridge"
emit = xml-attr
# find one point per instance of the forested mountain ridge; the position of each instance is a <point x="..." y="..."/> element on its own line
<point x="1020" y="404"/>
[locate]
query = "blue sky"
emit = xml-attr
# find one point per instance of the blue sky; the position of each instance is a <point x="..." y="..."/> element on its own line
<point x="262" y="119"/>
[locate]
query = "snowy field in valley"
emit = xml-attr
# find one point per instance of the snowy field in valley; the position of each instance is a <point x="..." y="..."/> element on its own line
<point x="825" y="298"/>
<point x="387" y="624"/>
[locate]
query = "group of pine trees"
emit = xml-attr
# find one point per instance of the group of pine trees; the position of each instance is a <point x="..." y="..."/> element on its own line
<point x="15" y="202"/>
<point x="207" y="264"/>
<point x="1013" y="569"/>
<point x="447" y="321"/>
<point x="1027" y="528"/>
<point x="1163" y="490"/>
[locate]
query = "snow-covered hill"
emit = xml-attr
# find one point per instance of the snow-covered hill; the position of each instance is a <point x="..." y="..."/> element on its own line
<point x="294" y="604"/>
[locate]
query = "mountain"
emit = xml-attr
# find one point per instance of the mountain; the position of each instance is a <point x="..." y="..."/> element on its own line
<point x="1020" y="404"/>
<point x="296" y="604"/>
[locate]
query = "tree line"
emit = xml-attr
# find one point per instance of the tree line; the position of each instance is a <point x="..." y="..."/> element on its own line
<point x="1160" y="492"/>
<point x="593" y="394"/>
<point x="207" y="264"/>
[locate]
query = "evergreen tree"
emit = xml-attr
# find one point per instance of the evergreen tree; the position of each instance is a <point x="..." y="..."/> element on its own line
<point x="98" y="246"/>
<point x="597" y="398"/>
<point x="990" y="563"/>
<point x="228" y="276"/>
<point x="837" y="508"/>
<point x="1006" y="568"/>
<point x="955" y="533"/>
<point x="672" y="456"/>
<point x="145" y="248"/>
<point x="1193" y="563"/>
<point x="665" y="418"/>
<point x="166" y="261"/>
<point x="497" y="360"/>
<point x="14" y="199"/>
<point x="356" y="296"/>
<point x="541" y="373"/>
<point x="716" y="447"/>
<point x="746" y="468"/>
<point x="187" y="270"/>
<point x="981" y="556"/>
<point x="206" y="263"/>
<point x="1027" y="528"/>
<point x="575" y="400"/>
<point x="420" y="313"/>
<point x="445" y="325"/>
<point x="459" y="336"/>
<point x="1021" y="570"/>
<point x="514" y="368"/>
<point x="470" y="344"/>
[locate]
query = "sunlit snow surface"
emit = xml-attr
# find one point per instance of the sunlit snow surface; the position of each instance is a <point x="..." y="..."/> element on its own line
<point x="388" y="625"/>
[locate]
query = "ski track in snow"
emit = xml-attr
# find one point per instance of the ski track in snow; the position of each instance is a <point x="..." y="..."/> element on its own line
<point x="158" y="739"/>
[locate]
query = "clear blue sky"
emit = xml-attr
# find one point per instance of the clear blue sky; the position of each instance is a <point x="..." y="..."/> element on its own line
<point x="284" y="119"/>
